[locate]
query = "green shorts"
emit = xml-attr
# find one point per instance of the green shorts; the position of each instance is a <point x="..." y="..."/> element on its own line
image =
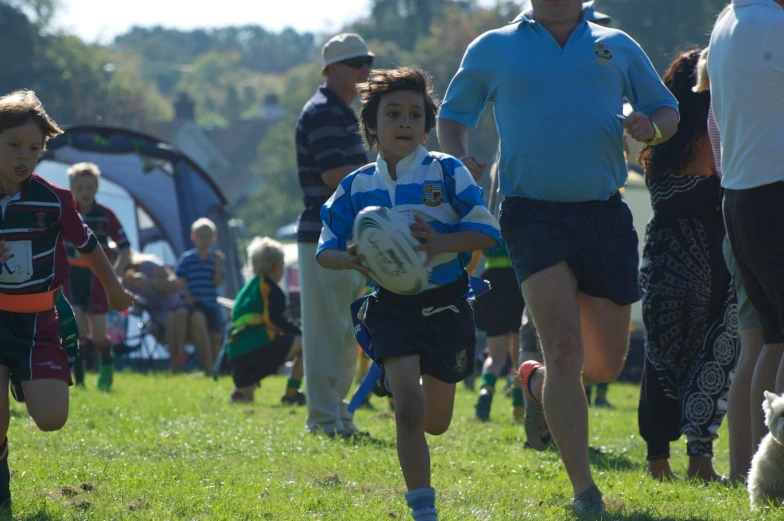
<point x="69" y="331"/>
<point x="747" y="317"/>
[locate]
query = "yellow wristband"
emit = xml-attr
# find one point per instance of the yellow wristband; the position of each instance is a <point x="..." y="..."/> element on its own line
<point x="657" y="135"/>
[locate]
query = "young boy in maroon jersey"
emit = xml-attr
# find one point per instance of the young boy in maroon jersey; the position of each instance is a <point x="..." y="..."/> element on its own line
<point x="83" y="290"/>
<point x="36" y="216"/>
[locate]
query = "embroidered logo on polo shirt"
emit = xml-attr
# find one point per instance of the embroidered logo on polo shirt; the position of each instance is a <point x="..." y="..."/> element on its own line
<point x="603" y="51"/>
<point x="433" y="196"/>
<point x="40" y="216"/>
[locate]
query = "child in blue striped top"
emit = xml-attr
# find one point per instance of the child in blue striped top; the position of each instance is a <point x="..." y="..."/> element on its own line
<point x="200" y="272"/>
<point x="431" y="334"/>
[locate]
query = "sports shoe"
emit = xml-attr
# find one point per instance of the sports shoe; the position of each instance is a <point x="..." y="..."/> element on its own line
<point x="536" y="428"/>
<point x="589" y="503"/>
<point x="483" y="404"/>
<point x="603" y="403"/>
<point x="297" y="399"/>
<point x="105" y="377"/>
<point x="238" y="397"/>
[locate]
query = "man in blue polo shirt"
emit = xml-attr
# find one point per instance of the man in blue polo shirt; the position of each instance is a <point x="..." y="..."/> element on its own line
<point x="553" y="76"/>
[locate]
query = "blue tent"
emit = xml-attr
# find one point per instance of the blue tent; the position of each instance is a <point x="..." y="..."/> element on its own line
<point x="171" y="189"/>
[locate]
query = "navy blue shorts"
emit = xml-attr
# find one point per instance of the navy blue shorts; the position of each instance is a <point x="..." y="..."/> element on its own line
<point x="437" y="325"/>
<point x="596" y="238"/>
<point x="500" y="311"/>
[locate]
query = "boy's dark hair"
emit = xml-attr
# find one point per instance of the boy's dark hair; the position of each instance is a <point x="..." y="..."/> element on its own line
<point x="23" y="106"/>
<point x="384" y="81"/>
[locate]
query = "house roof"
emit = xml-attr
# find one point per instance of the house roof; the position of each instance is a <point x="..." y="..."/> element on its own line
<point x="240" y="143"/>
<point x="235" y="148"/>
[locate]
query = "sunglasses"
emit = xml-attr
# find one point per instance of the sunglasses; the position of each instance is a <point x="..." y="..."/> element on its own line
<point x="358" y="62"/>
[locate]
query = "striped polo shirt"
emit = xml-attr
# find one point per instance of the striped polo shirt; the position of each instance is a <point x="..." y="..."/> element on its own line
<point x="200" y="275"/>
<point x="35" y="224"/>
<point x="104" y="225"/>
<point x="435" y="186"/>
<point x="327" y="137"/>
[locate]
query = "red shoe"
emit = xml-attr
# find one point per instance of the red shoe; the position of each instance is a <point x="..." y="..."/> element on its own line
<point x="536" y="428"/>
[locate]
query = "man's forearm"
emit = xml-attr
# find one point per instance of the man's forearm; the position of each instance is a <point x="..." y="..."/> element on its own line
<point x="666" y="118"/>
<point x="453" y="137"/>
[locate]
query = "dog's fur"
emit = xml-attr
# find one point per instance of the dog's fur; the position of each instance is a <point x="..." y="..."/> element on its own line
<point x="766" y="476"/>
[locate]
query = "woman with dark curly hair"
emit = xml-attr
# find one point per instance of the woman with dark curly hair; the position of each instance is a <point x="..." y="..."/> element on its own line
<point x="689" y="308"/>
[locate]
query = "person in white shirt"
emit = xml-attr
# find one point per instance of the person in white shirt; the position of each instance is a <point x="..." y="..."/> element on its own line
<point x="746" y="70"/>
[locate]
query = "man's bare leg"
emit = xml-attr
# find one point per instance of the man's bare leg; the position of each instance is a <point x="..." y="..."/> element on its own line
<point x="551" y="296"/>
<point x="579" y="334"/>
<point x="738" y="410"/>
<point x="764" y="379"/>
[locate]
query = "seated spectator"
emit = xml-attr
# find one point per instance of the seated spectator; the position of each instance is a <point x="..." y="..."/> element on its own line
<point x="158" y="287"/>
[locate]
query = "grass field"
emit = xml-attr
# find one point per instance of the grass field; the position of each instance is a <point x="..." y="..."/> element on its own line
<point x="165" y="448"/>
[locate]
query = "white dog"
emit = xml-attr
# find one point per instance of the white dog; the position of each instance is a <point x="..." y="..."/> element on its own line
<point x="766" y="476"/>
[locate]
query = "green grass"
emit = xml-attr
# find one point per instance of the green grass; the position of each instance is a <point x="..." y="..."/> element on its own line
<point x="165" y="448"/>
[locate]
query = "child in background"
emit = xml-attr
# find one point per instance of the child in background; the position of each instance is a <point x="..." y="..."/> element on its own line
<point x="37" y="215"/>
<point x="83" y="289"/>
<point x="499" y="314"/>
<point x="262" y="338"/>
<point x="432" y="191"/>
<point x="200" y="272"/>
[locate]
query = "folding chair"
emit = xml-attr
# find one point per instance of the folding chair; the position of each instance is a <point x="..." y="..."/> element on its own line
<point x="146" y="343"/>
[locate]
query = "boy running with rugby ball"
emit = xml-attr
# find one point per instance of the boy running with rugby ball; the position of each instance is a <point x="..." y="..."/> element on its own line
<point x="431" y="334"/>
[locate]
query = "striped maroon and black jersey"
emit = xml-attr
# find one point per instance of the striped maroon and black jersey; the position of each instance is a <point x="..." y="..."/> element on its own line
<point x="105" y="225"/>
<point x="34" y="225"/>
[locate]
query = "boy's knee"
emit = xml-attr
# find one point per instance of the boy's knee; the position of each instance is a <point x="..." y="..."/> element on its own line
<point x="438" y="426"/>
<point x="51" y="421"/>
<point x="410" y="413"/>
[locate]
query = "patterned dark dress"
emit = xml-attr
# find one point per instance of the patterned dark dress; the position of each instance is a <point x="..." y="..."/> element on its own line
<point x="690" y="316"/>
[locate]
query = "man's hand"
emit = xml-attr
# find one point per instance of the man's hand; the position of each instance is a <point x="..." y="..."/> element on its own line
<point x="219" y="257"/>
<point x="355" y="261"/>
<point x="121" y="300"/>
<point x="432" y="245"/>
<point x="639" y="127"/>
<point x="474" y="165"/>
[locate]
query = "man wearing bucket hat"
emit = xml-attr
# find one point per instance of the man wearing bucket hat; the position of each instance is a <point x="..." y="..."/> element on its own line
<point x="329" y="147"/>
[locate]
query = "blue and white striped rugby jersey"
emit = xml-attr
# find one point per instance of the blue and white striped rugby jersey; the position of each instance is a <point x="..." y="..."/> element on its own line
<point x="437" y="187"/>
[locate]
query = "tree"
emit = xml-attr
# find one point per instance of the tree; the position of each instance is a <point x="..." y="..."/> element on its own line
<point x="664" y="27"/>
<point x="17" y="66"/>
<point x="42" y="11"/>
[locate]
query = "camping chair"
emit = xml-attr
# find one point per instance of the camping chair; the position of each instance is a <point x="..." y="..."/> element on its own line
<point x="147" y="343"/>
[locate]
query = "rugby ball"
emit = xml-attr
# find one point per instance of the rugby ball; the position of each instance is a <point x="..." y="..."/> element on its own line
<point x="385" y="240"/>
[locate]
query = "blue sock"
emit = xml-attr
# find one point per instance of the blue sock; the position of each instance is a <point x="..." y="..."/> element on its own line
<point x="422" y="502"/>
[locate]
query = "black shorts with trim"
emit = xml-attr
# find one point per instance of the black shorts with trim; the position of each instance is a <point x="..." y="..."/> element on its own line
<point x="436" y="325"/>
<point x="500" y="311"/>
